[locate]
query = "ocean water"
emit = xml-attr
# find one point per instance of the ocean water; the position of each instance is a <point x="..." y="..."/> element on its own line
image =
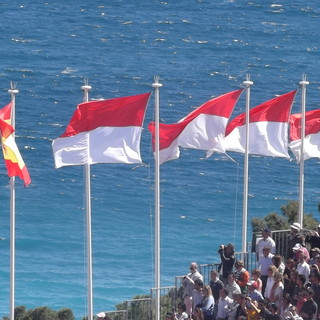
<point x="200" y="49"/>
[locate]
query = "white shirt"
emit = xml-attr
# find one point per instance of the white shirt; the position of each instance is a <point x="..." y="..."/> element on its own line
<point x="304" y="268"/>
<point x="224" y="307"/>
<point x="269" y="242"/>
<point x="270" y="283"/>
<point x="264" y="263"/>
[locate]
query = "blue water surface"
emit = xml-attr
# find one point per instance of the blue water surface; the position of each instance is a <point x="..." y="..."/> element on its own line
<point x="200" y="49"/>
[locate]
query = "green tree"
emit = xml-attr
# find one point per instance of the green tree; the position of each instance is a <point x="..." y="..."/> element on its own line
<point x="65" y="314"/>
<point x="41" y="313"/>
<point x="289" y="215"/>
<point x="290" y="211"/>
<point x="273" y="220"/>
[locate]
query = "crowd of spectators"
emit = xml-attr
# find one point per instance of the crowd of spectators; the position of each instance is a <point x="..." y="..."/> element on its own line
<point x="281" y="287"/>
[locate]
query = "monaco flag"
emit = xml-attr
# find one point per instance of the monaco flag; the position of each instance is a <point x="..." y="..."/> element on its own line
<point x="106" y="131"/>
<point x="201" y="129"/>
<point x="312" y="135"/>
<point x="268" y="128"/>
<point x="13" y="160"/>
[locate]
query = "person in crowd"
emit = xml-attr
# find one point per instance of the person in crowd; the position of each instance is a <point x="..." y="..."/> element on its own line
<point x="300" y="248"/>
<point x="232" y="287"/>
<point x="263" y="307"/>
<point x="216" y="285"/>
<point x="313" y="238"/>
<point x="277" y="262"/>
<point x="181" y="314"/>
<point x="266" y="241"/>
<point x="242" y="276"/>
<point x="277" y="289"/>
<point x="292" y="314"/>
<point x="293" y="238"/>
<point x="309" y="310"/>
<point x="300" y="283"/>
<point x="285" y="305"/>
<point x="251" y="307"/>
<point x="102" y="316"/>
<point x="264" y="262"/>
<point x="233" y="307"/>
<point x="169" y="316"/>
<point x="270" y="281"/>
<point x="224" y="305"/>
<point x="314" y="253"/>
<point x="208" y="303"/>
<point x="253" y="292"/>
<point x="198" y="314"/>
<point x="314" y="268"/>
<point x="302" y="298"/>
<point x="197" y="293"/>
<point x="256" y="276"/>
<point x="289" y="271"/>
<point x="188" y="286"/>
<point x="227" y="260"/>
<point x="274" y="313"/>
<point x="318" y="262"/>
<point x="291" y="283"/>
<point x="241" y="310"/>
<point x="316" y="288"/>
<point x="303" y="267"/>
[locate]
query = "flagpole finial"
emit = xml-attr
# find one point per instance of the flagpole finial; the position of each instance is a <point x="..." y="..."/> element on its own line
<point x="13" y="89"/>
<point x="156" y="83"/>
<point x="86" y="86"/>
<point x="247" y="82"/>
<point x="304" y="81"/>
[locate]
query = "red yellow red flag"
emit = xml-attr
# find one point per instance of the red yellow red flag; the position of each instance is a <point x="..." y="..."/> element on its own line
<point x="13" y="160"/>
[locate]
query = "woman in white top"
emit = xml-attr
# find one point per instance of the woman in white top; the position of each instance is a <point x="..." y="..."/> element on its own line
<point x="181" y="314"/>
<point x="277" y="289"/>
<point x="270" y="281"/>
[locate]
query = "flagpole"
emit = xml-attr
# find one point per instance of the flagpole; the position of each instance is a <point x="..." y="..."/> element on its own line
<point x="303" y="85"/>
<point x="247" y="83"/>
<point x="156" y="85"/>
<point x="86" y="88"/>
<point x="12" y="91"/>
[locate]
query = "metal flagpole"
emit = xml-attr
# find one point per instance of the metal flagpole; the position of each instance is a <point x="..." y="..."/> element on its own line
<point x="303" y="85"/>
<point x="13" y="93"/>
<point x="156" y="85"/>
<point x="86" y="88"/>
<point x="247" y="84"/>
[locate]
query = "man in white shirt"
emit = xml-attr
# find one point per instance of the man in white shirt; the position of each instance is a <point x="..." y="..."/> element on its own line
<point x="188" y="286"/>
<point x="303" y="267"/>
<point x="264" y="262"/>
<point x="266" y="241"/>
<point x="232" y="287"/>
<point x="224" y="305"/>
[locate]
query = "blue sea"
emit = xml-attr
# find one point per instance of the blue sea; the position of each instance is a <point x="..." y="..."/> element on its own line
<point x="200" y="49"/>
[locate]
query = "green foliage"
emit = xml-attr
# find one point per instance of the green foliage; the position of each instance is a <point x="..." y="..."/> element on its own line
<point x="289" y="211"/>
<point x="65" y="314"/>
<point x="41" y="313"/>
<point x="273" y="221"/>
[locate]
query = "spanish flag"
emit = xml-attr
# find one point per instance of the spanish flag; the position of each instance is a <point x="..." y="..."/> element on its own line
<point x="13" y="160"/>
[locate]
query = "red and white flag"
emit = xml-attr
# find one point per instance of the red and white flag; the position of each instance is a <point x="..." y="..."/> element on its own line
<point x="12" y="157"/>
<point x="312" y="135"/>
<point x="106" y="131"/>
<point x="268" y="128"/>
<point x="201" y="129"/>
